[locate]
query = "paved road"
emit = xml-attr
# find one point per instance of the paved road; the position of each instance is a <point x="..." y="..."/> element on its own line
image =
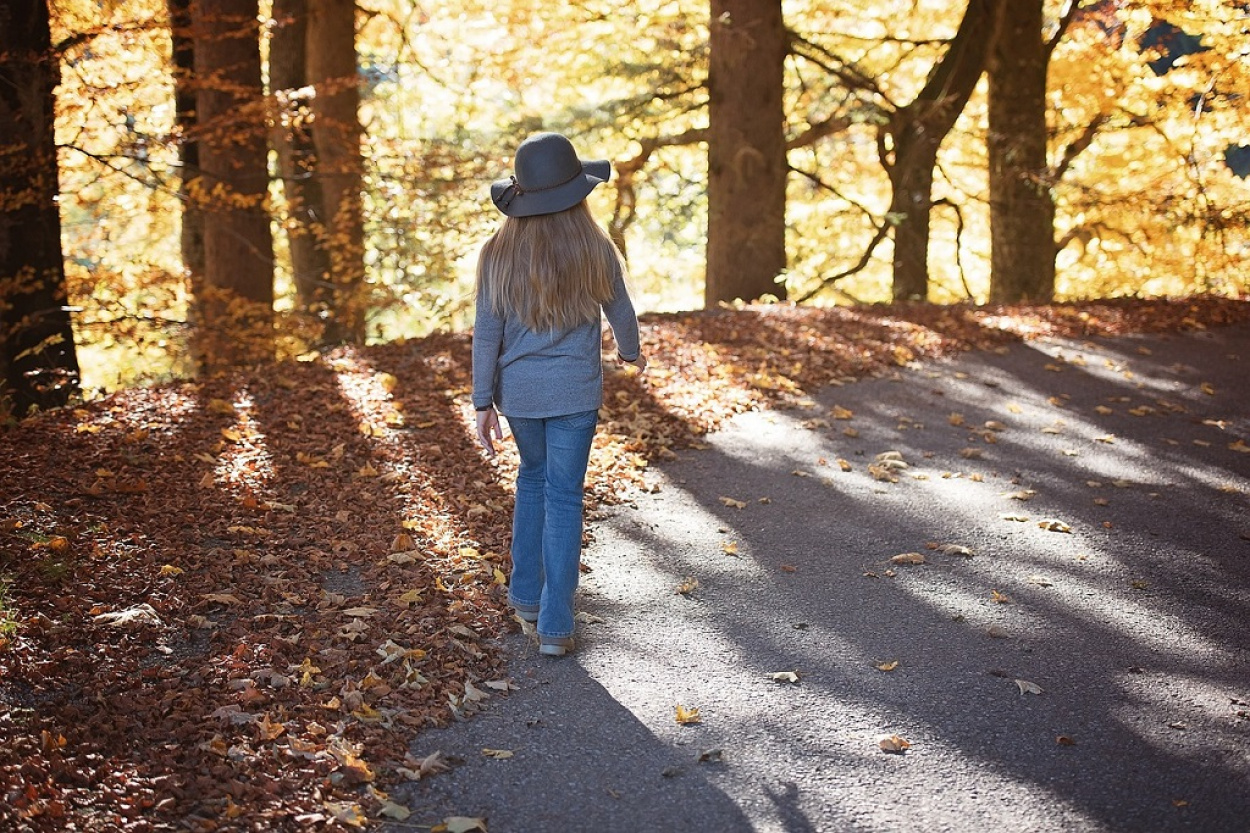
<point x="1120" y="589"/>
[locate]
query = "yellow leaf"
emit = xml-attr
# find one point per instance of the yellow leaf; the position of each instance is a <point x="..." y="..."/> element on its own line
<point x="367" y="470"/>
<point x="346" y="813"/>
<point x="736" y="504"/>
<point x="388" y="382"/>
<point x="220" y="406"/>
<point x="367" y="714"/>
<point x="232" y="435"/>
<point x="497" y="754"/>
<point x="1208" y="388"/>
<point x="499" y="576"/>
<point x="845" y="465"/>
<point x="886" y="666"/>
<point x="1240" y="446"/>
<point x="893" y="743"/>
<point x="687" y="716"/>
<point x="688" y="586"/>
<point x="1054" y="526"/>
<point x="729" y="547"/>
<point x="171" y="570"/>
<point x="999" y="598"/>
<point x="955" y="419"/>
<point x="842" y="413"/>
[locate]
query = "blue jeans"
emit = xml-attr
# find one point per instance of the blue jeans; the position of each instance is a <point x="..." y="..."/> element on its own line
<point x="547" y="521"/>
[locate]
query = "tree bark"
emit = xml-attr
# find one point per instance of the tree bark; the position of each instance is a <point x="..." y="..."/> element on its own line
<point x="192" y="233"/>
<point x="914" y="134"/>
<point x="292" y="141"/>
<point x="336" y="132"/>
<point x="37" y="354"/>
<point x="747" y="168"/>
<point x="235" y="301"/>
<point x="1022" y="207"/>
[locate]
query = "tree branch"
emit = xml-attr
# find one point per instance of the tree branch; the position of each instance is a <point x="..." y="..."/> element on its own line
<point x="1065" y="20"/>
<point x="859" y="266"/>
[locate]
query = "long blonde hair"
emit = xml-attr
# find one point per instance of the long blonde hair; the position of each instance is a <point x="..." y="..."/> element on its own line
<point x="551" y="271"/>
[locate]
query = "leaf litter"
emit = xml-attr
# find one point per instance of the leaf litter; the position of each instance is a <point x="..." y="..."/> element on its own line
<point x="324" y="577"/>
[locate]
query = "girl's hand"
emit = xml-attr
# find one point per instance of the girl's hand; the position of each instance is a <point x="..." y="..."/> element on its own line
<point x="640" y="362"/>
<point x="488" y="425"/>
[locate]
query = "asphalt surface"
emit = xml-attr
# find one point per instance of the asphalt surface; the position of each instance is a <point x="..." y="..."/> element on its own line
<point x="1106" y="509"/>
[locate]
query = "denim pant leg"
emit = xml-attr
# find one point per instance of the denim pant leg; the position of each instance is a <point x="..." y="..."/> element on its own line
<point x="525" y="585"/>
<point x="563" y="446"/>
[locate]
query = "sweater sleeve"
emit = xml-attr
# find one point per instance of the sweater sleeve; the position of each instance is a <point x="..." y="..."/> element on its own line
<point x="487" y="343"/>
<point x="623" y="320"/>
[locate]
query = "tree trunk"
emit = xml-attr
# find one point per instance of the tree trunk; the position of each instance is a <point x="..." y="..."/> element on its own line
<point x="911" y="203"/>
<point x="235" y="302"/>
<point x="37" y="355"/>
<point x="336" y="131"/>
<point x="747" y="168"/>
<point x="916" y="132"/>
<point x="292" y="140"/>
<point x="192" y="235"/>
<point x="1022" y="208"/>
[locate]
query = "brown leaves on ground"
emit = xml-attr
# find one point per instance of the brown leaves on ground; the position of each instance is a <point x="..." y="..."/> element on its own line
<point x="244" y="597"/>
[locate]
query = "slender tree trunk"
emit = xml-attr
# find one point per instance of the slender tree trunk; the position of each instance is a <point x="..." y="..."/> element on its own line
<point x="236" y="300"/>
<point x="911" y="203"/>
<point x="292" y="140"/>
<point x="1022" y="208"/>
<point x="37" y="355"/>
<point x="192" y="234"/>
<point x="336" y="132"/>
<point x="915" y="133"/>
<point x="747" y="168"/>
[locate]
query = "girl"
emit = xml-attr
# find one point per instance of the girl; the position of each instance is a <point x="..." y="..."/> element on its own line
<point x="542" y="280"/>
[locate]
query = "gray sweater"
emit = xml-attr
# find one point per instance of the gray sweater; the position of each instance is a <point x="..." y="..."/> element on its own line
<point x="535" y="375"/>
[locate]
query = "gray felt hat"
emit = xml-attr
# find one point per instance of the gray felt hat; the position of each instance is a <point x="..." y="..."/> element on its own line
<point x="549" y="177"/>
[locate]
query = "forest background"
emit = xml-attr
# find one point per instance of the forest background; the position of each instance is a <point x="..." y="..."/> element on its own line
<point x="239" y="181"/>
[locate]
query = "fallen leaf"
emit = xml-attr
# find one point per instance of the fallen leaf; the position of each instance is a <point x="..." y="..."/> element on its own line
<point x="711" y="756"/>
<point x="893" y="744"/>
<point x="839" y="412"/>
<point x="1064" y="740"/>
<point x="460" y="824"/>
<point x="908" y="558"/>
<point x="785" y="677"/>
<point x="886" y="666"/>
<point x="688" y="586"/>
<point x="1054" y="526"/>
<point x="394" y="811"/>
<point x="1027" y="687"/>
<point x="844" y="465"/>
<point x="498" y="754"/>
<point x="729" y="547"/>
<point x="736" y="504"/>
<point x="345" y="812"/>
<point x="687" y="716"/>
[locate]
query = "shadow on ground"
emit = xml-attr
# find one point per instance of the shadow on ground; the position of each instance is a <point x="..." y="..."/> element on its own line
<point x="1101" y="488"/>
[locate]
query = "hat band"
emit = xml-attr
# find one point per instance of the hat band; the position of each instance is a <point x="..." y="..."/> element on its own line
<point x="515" y="190"/>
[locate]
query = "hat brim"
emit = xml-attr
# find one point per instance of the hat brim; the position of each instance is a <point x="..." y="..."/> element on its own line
<point x="515" y="203"/>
